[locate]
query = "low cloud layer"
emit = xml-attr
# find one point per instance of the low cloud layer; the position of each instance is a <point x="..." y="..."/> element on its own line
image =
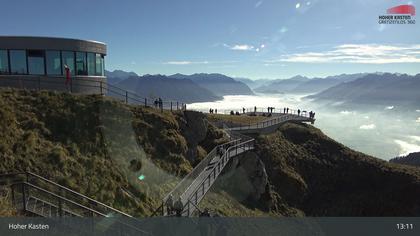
<point x="367" y="127"/>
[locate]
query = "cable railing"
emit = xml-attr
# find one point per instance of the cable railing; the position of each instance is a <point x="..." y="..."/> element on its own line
<point x="65" y="192"/>
<point x="270" y="122"/>
<point x="89" y="86"/>
<point x="192" y="189"/>
<point x="39" y="196"/>
<point x="186" y="182"/>
<point x="263" y="111"/>
<point x="194" y="198"/>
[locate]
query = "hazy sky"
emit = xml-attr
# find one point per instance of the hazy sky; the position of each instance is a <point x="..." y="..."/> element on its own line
<point x="246" y="38"/>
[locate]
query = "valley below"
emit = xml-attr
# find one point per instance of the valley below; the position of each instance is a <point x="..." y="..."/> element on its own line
<point x="383" y="131"/>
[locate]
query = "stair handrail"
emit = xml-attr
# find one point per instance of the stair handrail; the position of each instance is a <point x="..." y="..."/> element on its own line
<point x="203" y="163"/>
<point x="64" y="199"/>
<point x="68" y="190"/>
<point x="222" y="160"/>
<point x="58" y="197"/>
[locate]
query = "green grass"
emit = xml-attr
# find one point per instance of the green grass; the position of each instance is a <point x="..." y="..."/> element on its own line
<point x="6" y="208"/>
<point x="96" y="146"/>
<point x="100" y="147"/>
<point x="321" y="177"/>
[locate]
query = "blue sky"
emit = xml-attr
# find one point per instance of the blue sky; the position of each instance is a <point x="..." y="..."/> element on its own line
<point x="242" y="38"/>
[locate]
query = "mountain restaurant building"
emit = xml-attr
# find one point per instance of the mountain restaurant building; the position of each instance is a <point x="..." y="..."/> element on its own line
<point x="45" y="63"/>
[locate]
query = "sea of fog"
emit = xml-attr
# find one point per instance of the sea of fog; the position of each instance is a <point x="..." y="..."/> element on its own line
<point x="381" y="131"/>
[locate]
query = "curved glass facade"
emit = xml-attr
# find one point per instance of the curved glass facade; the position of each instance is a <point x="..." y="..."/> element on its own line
<point x="50" y="62"/>
<point x="4" y="62"/>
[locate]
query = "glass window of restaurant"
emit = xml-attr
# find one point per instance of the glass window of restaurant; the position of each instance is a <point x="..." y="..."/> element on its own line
<point x="99" y="65"/>
<point x="18" y="62"/>
<point x="91" y="63"/>
<point x="4" y="62"/>
<point x="53" y="59"/>
<point x="36" y="64"/>
<point x="81" y="67"/>
<point x="68" y="60"/>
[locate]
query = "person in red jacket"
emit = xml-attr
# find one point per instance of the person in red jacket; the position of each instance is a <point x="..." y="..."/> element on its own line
<point x="67" y="74"/>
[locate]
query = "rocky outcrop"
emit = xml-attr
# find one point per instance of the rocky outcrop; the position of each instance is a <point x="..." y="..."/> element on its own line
<point x="193" y="127"/>
<point x="246" y="179"/>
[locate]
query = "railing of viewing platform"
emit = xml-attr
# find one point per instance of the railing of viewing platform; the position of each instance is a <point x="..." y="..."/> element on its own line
<point x="88" y="86"/>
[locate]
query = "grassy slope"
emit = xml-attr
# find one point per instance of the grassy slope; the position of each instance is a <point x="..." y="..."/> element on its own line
<point x="321" y="177"/>
<point x="88" y="144"/>
<point x="96" y="146"/>
<point x="6" y="208"/>
<point x="91" y="144"/>
<point x="313" y="175"/>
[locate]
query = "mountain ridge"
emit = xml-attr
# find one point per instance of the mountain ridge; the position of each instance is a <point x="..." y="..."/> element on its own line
<point x="219" y="84"/>
<point x="375" y="88"/>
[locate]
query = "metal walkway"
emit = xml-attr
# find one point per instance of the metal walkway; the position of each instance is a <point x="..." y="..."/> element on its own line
<point x="192" y="189"/>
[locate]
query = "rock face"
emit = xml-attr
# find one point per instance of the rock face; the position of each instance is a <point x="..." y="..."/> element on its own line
<point x="257" y="176"/>
<point x="246" y="179"/>
<point x="194" y="128"/>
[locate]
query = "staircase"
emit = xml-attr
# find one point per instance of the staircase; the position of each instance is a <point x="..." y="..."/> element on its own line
<point x="192" y="189"/>
<point x="37" y="196"/>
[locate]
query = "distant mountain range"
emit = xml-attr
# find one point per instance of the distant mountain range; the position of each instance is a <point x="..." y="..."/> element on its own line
<point x="253" y="84"/>
<point x="219" y="84"/>
<point x="411" y="159"/>
<point x="154" y="86"/>
<point x="282" y="85"/>
<point x="317" y="85"/>
<point x="378" y="88"/>
<point x="302" y="84"/>
<point x="186" y="88"/>
<point x="116" y="76"/>
<point x="360" y="88"/>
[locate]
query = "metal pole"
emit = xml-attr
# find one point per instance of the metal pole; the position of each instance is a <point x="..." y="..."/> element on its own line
<point x="126" y="97"/>
<point x="100" y="83"/>
<point x="23" y="197"/>
<point x="13" y="196"/>
<point x="60" y="207"/>
<point x="188" y="208"/>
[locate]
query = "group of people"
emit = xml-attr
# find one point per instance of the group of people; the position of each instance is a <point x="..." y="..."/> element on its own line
<point x="311" y="114"/>
<point x="270" y="109"/>
<point x="211" y="111"/>
<point x="174" y="207"/>
<point x="158" y="103"/>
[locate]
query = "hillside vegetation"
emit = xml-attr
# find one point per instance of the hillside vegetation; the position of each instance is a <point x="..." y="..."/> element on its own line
<point x="303" y="172"/>
<point x="99" y="147"/>
<point x="130" y="157"/>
